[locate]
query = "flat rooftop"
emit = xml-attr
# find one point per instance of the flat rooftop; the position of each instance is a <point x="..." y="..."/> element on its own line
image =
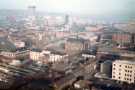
<point x="125" y="62"/>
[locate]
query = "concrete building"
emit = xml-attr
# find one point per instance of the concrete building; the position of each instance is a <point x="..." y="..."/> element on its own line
<point x="105" y="70"/>
<point x="76" y="45"/>
<point x="123" y="71"/>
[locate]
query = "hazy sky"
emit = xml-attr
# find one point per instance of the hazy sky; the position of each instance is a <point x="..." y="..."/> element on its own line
<point x="75" y="6"/>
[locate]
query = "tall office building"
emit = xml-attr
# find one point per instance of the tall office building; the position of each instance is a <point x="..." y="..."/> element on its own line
<point x="66" y="19"/>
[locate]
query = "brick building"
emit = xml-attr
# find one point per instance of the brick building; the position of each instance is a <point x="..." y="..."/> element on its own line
<point x="76" y="45"/>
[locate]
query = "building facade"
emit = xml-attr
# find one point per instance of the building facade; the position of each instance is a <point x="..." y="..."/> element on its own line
<point x="124" y="71"/>
<point x="35" y="55"/>
<point x="122" y="38"/>
<point x="8" y="54"/>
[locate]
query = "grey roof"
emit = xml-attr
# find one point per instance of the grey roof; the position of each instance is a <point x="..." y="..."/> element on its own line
<point x="125" y="61"/>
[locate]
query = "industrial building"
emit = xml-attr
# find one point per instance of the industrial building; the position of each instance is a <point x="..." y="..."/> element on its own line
<point x="106" y="68"/>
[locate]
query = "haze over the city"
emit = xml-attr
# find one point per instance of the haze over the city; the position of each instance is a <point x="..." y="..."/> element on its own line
<point x="74" y="6"/>
<point x="67" y="44"/>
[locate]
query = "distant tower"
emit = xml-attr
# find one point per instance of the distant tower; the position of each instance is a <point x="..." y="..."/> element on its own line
<point x="32" y="10"/>
<point x="66" y="19"/>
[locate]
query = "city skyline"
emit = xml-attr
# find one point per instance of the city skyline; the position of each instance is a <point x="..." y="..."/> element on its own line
<point x="77" y="6"/>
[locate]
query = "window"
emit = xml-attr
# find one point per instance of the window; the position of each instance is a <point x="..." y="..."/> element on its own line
<point x="119" y="77"/>
<point x="127" y="75"/>
<point x="129" y="66"/>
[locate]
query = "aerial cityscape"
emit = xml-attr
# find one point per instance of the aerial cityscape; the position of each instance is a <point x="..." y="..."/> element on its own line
<point x="67" y="45"/>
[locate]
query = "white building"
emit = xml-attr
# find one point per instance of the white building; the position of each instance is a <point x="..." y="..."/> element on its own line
<point x="88" y="56"/>
<point x="48" y="56"/>
<point x="57" y="57"/>
<point x="8" y="54"/>
<point x="18" y="54"/>
<point x="19" y="44"/>
<point x="35" y="55"/>
<point x="123" y="71"/>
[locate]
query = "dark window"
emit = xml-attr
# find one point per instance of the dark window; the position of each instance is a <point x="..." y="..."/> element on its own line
<point x="119" y="77"/>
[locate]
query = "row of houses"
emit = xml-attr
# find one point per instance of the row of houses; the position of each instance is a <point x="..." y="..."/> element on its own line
<point x="41" y="56"/>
